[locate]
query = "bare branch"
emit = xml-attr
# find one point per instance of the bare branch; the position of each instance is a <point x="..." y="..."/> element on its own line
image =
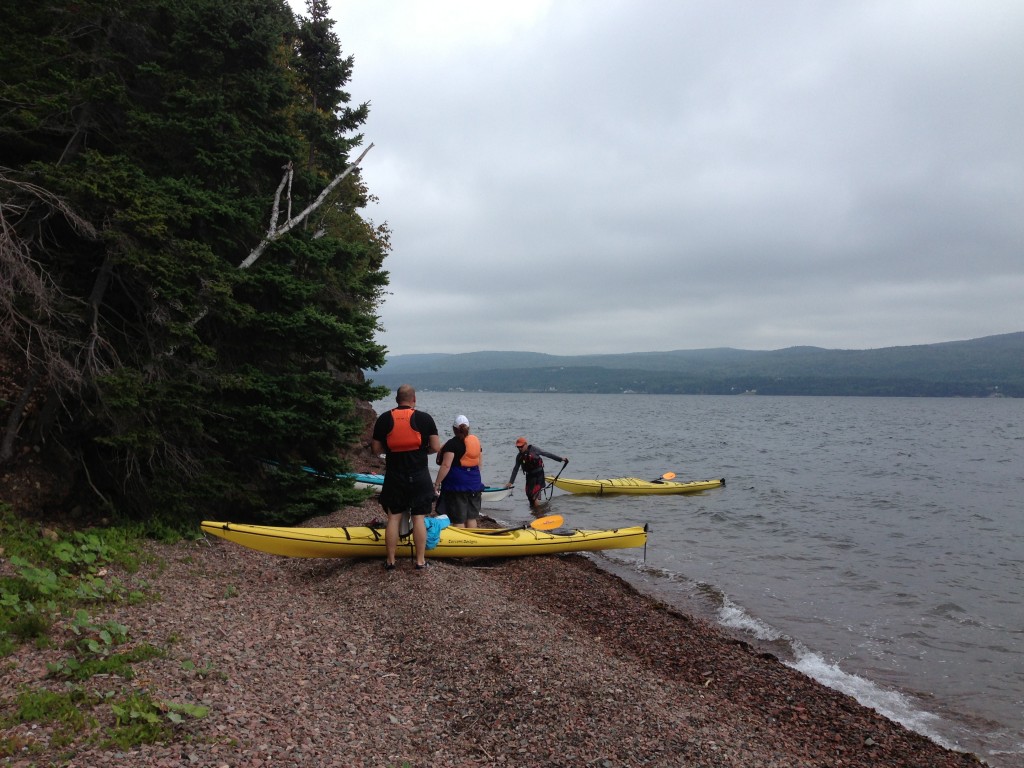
<point x="35" y="326"/>
<point x="275" y="232"/>
<point x="34" y="310"/>
<point x="275" y="211"/>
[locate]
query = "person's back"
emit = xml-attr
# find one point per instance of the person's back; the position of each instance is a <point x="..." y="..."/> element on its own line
<point x="405" y="446"/>
<point x="406" y="437"/>
<point x="459" y="477"/>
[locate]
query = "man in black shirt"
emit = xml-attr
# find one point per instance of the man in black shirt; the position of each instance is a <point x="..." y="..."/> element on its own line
<point x="406" y="437"/>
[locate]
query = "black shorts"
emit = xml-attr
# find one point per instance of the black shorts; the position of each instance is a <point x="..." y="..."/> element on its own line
<point x="407" y="493"/>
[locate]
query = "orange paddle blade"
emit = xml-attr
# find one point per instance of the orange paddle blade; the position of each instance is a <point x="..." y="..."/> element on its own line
<point x="547" y="522"/>
<point x="668" y="475"/>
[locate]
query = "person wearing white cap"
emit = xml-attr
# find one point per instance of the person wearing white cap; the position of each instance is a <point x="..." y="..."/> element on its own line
<point x="459" y="478"/>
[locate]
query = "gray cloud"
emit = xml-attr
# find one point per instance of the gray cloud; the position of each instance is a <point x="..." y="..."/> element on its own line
<point x="575" y="177"/>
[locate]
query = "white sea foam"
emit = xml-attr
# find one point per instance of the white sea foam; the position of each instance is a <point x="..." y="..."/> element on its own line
<point x="733" y="616"/>
<point x="892" y="704"/>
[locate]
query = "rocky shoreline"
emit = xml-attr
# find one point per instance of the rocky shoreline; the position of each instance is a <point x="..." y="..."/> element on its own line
<point x="540" y="661"/>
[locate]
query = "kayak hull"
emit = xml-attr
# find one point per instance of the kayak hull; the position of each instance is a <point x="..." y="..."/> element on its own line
<point x="363" y="541"/>
<point x="374" y="482"/>
<point x="633" y="485"/>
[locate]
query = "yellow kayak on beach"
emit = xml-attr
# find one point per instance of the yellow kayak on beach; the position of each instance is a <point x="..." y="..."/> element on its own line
<point x="633" y="485"/>
<point x="364" y="541"/>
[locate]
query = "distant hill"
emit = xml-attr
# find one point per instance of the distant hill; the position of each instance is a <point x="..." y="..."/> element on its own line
<point x="992" y="366"/>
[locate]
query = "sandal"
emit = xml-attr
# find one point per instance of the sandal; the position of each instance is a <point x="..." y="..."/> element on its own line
<point x="389" y="566"/>
<point x="421" y="567"/>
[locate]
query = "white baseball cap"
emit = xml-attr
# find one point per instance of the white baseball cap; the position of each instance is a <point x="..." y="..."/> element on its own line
<point x="460" y="420"/>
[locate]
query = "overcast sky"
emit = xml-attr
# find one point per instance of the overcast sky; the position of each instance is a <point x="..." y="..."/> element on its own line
<point x="585" y="176"/>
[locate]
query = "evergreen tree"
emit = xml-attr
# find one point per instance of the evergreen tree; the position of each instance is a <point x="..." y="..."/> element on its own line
<point x="324" y="74"/>
<point x="144" y="141"/>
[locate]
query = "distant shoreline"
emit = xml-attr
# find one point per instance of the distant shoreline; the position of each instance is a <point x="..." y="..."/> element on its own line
<point x="990" y="367"/>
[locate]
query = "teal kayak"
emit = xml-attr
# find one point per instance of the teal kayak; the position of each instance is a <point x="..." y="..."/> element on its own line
<point x="375" y="482"/>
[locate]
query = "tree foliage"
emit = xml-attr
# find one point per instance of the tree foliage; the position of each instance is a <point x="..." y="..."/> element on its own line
<point x="143" y="144"/>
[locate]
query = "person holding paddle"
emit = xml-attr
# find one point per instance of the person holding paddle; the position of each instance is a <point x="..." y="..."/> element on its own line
<point x="406" y="437"/>
<point x="529" y="458"/>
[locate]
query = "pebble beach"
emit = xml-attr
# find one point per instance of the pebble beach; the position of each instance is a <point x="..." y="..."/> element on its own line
<point x="531" y="661"/>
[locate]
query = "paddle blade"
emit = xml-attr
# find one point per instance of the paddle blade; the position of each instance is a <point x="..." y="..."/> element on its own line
<point x="668" y="475"/>
<point x="547" y="523"/>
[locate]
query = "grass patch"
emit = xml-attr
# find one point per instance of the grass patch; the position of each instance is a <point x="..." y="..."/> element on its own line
<point x="204" y="671"/>
<point x="64" y="707"/>
<point x="74" y="668"/>
<point x="138" y="718"/>
<point x="59" y="575"/>
<point x="56" y="572"/>
<point x="142" y="720"/>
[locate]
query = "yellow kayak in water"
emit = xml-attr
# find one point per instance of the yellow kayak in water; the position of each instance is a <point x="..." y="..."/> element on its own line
<point x="363" y="541"/>
<point x="633" y="485"/>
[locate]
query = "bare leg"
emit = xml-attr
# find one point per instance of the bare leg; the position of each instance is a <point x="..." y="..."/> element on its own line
<point x="391" y="535"/>
<point x="419" y="537"/>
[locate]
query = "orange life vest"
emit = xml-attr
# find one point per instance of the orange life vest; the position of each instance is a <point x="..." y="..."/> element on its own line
<point x="471" y="458"/>
<point x="403" y="437"/>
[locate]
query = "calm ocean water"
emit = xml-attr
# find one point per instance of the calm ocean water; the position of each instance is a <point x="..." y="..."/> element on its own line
<point x="875" y="544"/>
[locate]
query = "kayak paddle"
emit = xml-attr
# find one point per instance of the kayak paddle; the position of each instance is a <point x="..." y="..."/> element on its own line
<point x="547" y="523"/>
<point x="551" y="486"/>
<point x="666" y="476"/>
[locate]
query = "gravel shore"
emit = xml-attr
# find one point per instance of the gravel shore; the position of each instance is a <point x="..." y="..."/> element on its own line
<point x="534" y="661"/>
